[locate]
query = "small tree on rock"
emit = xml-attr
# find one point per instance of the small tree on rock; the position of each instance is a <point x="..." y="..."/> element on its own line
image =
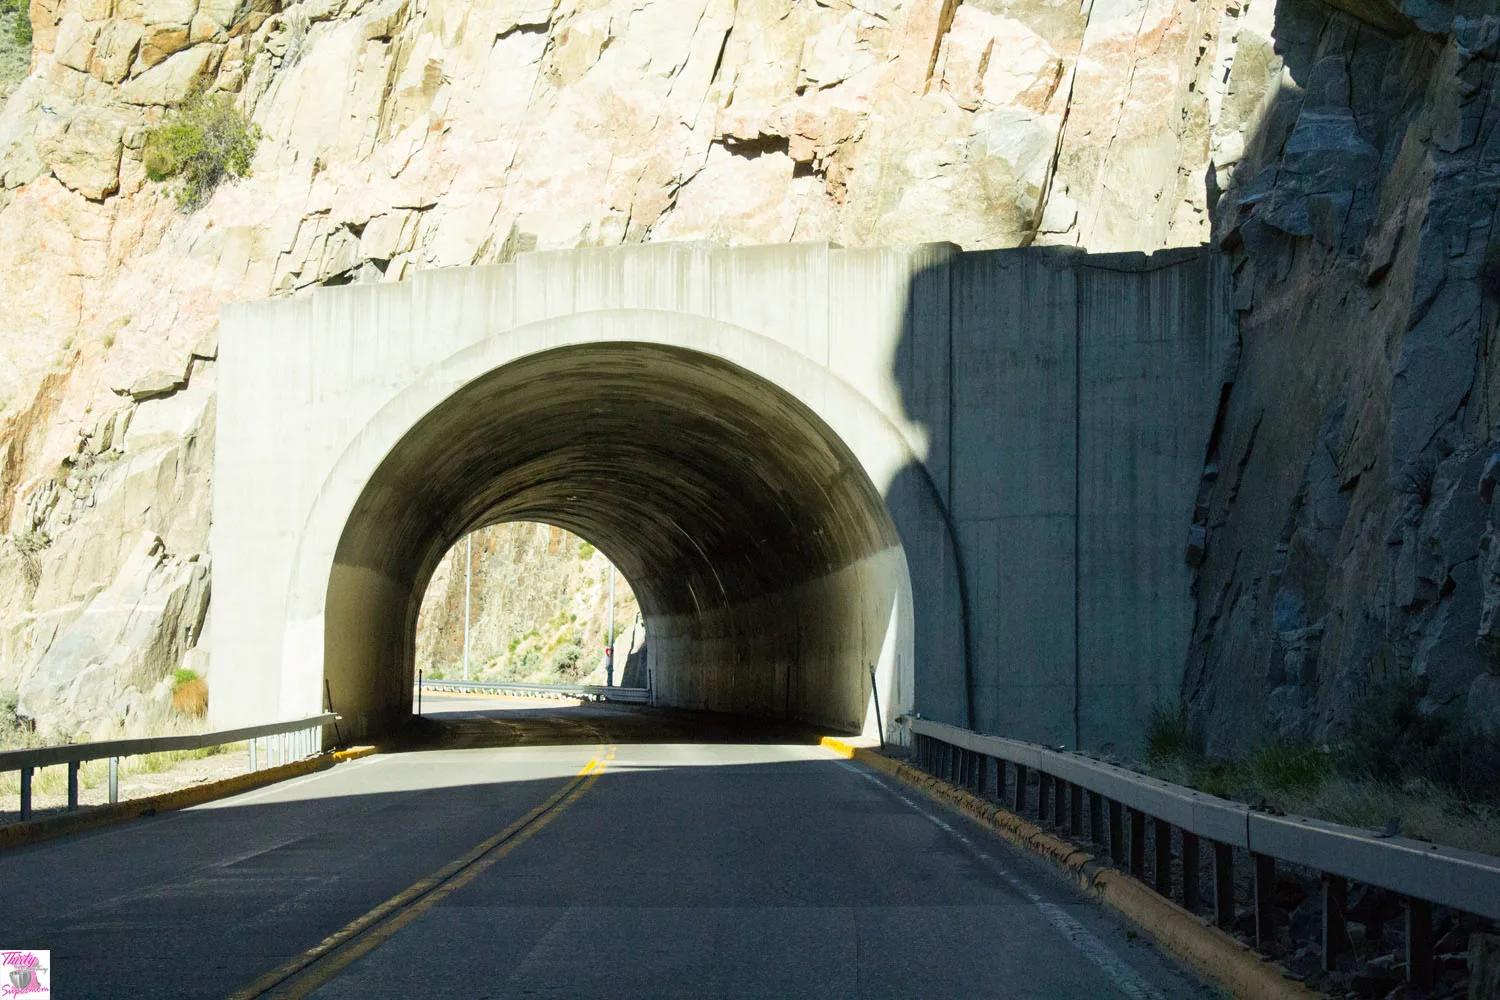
<point x="201" y="143"/>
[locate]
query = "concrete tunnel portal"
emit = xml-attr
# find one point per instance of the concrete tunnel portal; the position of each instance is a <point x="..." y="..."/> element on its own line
<point x="767" y="567"/>
<point x="970" y="469"/>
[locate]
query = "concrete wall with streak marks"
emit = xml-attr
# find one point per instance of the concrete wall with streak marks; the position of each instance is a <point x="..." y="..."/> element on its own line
<point x="974" y="471"/>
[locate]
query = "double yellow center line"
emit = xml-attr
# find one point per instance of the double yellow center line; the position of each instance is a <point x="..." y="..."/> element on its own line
<point x="320" y="963"/>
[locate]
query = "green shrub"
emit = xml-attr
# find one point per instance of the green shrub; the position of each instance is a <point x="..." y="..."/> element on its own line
<point x="18" y="12"/>
<point x="201" y="144"/>
<point x="183" y="677"/>
<point x="565" y="661"/>
<point x="1291" y="766"/>
<point x="585" y="551"/>
<point x="1168" y="735"/>
<point x="1392" y="740"/>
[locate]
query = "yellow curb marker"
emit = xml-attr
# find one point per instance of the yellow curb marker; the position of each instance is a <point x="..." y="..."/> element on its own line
<point x="320" y="963"/>
<point x="1235" y="967"/>
<point x="36" y="831"/>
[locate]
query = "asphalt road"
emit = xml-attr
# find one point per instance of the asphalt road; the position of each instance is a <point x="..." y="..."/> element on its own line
<point x="569" y="852"/>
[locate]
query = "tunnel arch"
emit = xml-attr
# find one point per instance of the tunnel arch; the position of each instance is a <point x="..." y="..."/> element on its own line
<point x="544" y="422"/>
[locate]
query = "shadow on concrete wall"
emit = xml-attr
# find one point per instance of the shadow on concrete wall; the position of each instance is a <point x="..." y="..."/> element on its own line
<point x="1066" y="400"/>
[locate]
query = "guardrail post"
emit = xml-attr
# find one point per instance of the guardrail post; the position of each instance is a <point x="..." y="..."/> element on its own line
<point x="1335" y="933"/>
<point x="1116" y="832"/>
<point x="1138" y="844"/>
<point x="1075" y="811"/>
<point x="1419" y="966"/>
<point x="1059" y="802"/>
<point x="1223" y="885"/>
<point x="26" y="793"/>
<point x="1265" y="897"/>
<point x="1161" y="834"/>
<point x="1020" y="802"/>
<point x="73" y="766"/>
<point x="1043" y="796"/>
<point x="1190" y="871"/>
<point x="114" y="780"/>
<point x="1096" y="818"/>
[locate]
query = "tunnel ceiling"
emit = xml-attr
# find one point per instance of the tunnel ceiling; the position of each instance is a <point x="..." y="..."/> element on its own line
<point x="705" y="484"/>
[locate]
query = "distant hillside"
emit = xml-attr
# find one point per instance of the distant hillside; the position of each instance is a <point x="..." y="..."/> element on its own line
<point x="539" y="609"/>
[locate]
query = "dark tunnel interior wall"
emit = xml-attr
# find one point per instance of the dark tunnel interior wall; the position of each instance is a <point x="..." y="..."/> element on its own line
<point x="764" y="560"/>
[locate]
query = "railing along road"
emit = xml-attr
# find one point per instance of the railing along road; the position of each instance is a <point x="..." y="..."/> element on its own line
<point x="1071" y="788"/>
<point x="583" y="692"/>
<point x="283" y="742"/>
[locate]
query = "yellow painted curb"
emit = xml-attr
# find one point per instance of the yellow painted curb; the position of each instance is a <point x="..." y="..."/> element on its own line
<point x="36" y="831"/>
<point x="1235" y="967"/>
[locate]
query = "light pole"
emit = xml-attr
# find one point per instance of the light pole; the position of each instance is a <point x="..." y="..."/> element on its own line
<point x="609" y="645"/>
<point x="468" y="585"/>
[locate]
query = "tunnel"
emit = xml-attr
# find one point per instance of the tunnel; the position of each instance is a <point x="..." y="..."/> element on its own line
<point x="767" y="567"/>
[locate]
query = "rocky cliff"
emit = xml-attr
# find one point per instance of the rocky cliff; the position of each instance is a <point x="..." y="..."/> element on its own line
<point x="405" y="134"/>
<point x="1340" y="155"/>
<point x="1345" y="508"/>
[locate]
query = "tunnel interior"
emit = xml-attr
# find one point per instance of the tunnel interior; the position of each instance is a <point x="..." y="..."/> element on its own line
<point x="767" y="567"/>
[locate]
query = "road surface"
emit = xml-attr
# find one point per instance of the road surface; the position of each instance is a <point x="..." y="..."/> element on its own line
<point x="576" y="851"/>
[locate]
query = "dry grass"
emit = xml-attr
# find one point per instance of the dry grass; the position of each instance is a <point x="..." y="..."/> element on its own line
<point x="1357" y="786"/>
<point x="93" y="773"/>
<point x="191" y="698"/>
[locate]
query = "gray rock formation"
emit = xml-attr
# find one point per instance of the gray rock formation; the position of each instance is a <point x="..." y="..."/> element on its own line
<point x="1351" y="544"/>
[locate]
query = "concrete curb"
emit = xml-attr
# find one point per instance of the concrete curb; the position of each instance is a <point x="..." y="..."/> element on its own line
<point x="36" y="831"/>
<point x="1234" y="967"/>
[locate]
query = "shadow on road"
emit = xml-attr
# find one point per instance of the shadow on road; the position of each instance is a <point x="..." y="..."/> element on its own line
<point x="462" y="724"/>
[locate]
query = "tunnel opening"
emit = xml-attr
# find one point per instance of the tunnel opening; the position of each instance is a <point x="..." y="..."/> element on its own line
<point x="768" y="571"/>
<point x="530" y="603"/>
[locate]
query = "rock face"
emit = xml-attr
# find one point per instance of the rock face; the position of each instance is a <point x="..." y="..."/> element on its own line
<point x="538" y="610"/>
<point x="1349" y="534"/>
<point x="1343" y="156"/>
<point x="407" y="134"/>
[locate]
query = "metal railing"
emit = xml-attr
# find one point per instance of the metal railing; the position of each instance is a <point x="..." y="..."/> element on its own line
<point x="1070" y="787"/>
<point x="583" y="692"/>
<point x="283" y="742"/>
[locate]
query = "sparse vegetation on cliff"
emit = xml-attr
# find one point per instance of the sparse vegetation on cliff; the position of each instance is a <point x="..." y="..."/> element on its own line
<point x="200" y="145"/>
<point x="15" y="44"/>
<point x="539" y="610"/>
<point x="1395" y="764"/>
<point x="189" y="693"/>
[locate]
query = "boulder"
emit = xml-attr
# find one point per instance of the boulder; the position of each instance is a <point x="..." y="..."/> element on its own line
<point x="154" y="385"/>
<point x="95" y="672"/>
<point x="1482" y="706"/>
<point x="170" y="82"/>
<point x="115" y="51"/>
<point x="83" y="151"/>
<point x="159" y="42"/>
<point x="75" y="42"/>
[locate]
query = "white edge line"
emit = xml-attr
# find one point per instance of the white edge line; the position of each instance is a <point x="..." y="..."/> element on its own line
<point x="281" y="786"/>
<point x="1125" y="978"/>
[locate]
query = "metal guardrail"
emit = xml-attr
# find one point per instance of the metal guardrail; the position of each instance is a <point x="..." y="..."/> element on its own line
<point x="298" y="738"/>
<point x="583" y="692"/>
<point x="1424" y="874"/>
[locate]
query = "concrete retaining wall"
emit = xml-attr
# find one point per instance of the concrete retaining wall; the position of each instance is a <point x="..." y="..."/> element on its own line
<point x="872" y="420"/>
